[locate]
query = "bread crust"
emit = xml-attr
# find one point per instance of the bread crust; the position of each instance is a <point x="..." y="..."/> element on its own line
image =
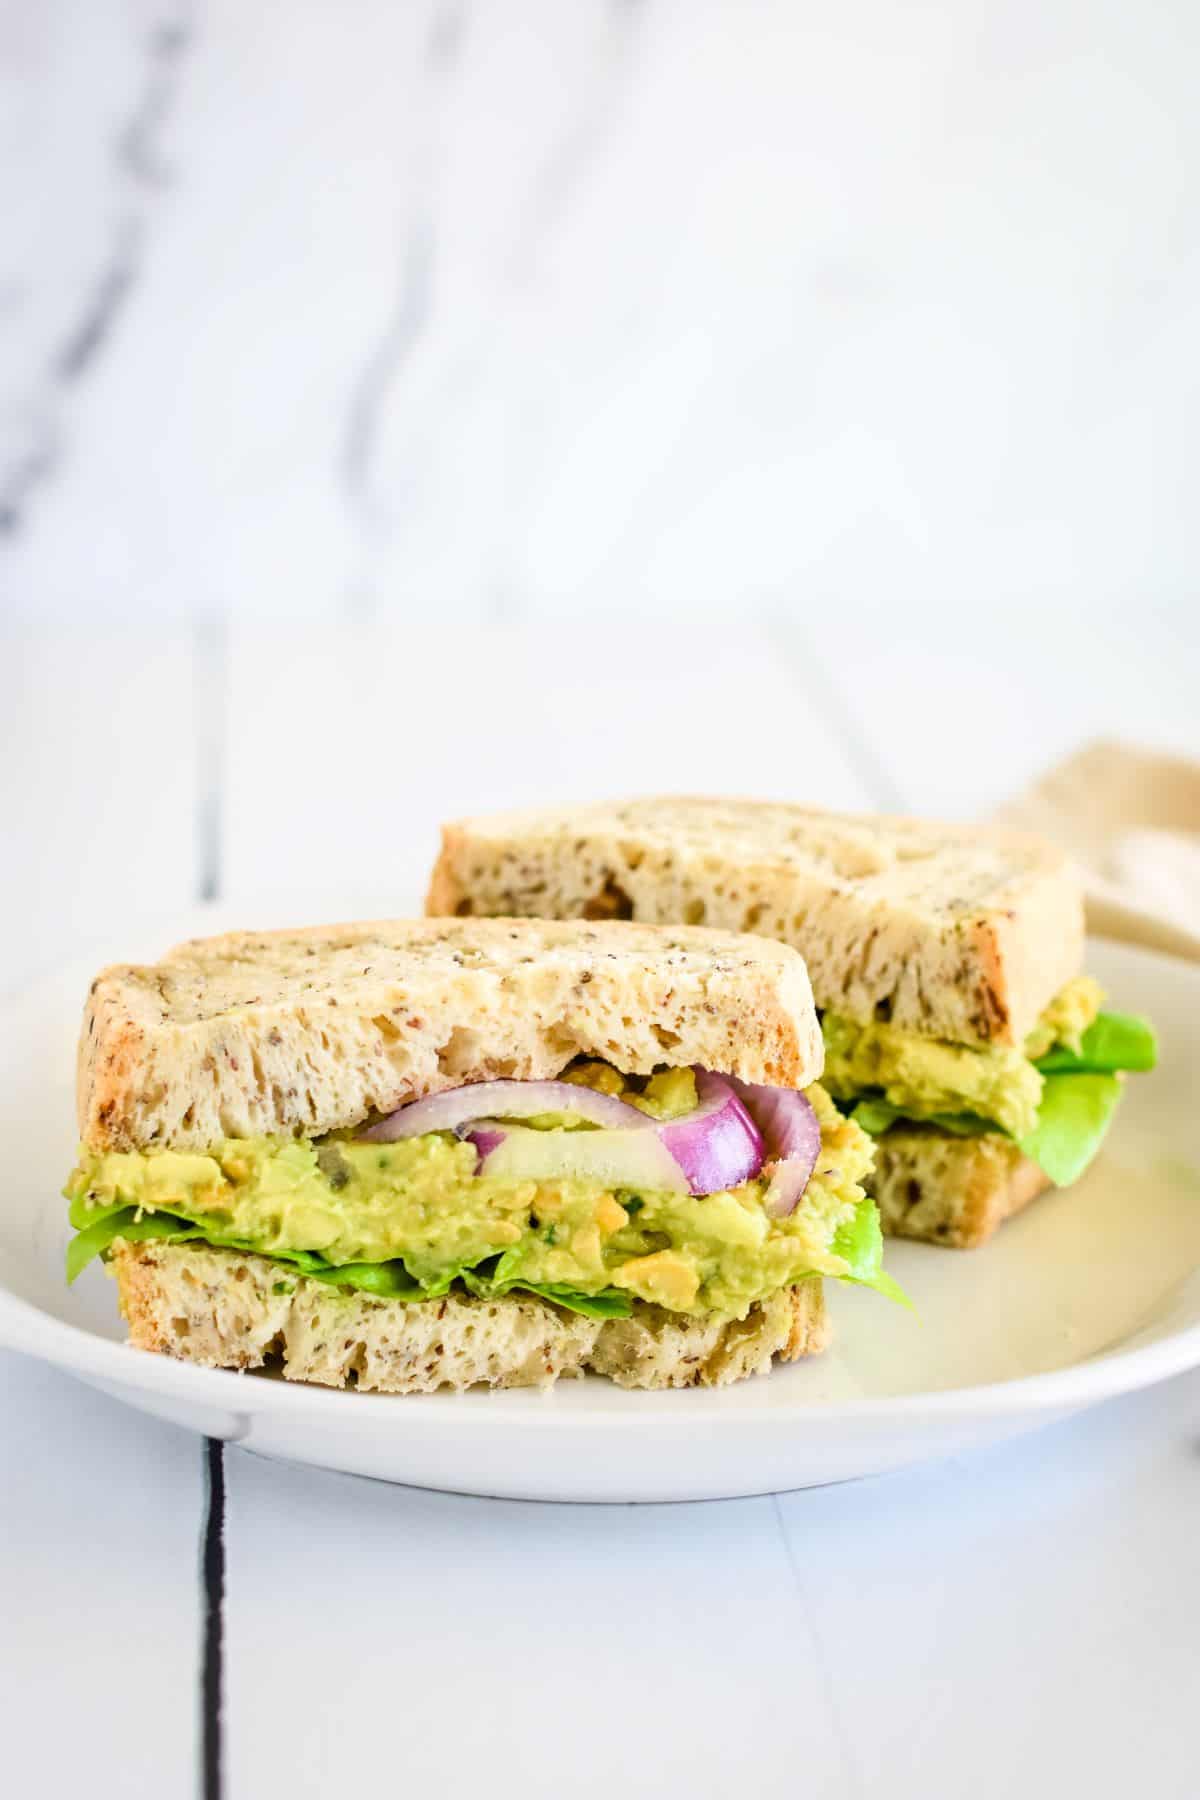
<point x="226" y="1309"/>
<point x="962" y="932"/>
<point x="950" y="1190"/>
<point x="311" y="1030"/>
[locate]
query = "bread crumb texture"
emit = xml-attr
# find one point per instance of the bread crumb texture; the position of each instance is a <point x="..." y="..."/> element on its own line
<point x="950" y="1190"/>
<point x="303" y="1032"/>
<point x="227" y="1310"/>
<point x="951" y="930"/>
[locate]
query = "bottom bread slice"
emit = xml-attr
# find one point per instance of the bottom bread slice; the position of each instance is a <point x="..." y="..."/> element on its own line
<point x="228" y="1310"/>
<point x="950" y="1190"/>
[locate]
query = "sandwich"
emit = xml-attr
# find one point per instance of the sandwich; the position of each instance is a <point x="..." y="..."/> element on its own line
<point x="960" y="1029"/>
<point x="434" y="1153"/>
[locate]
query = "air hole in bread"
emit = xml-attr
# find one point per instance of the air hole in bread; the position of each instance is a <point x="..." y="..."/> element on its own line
<point x="611" y="902"/>
<point x="665" y="1039"/>
<point x="460" y="1053"/>
<point x="693" y="912"/>
<point x="181" y="1327"/>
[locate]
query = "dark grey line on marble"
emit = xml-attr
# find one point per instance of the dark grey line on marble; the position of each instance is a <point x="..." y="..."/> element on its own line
<point x="210" y="680"/>
<point x="406" y="322"/>
<point x="447" y="28"/>
<point x="401" y="334"/>
<point x="27" y="472"/>
<point x="559" y="173"/>
<point x="140" y="167"/>
<point x="212" y="1659"/>
<point x="94" y="325"/>
<point x="566" y="161"/>
<point x="139" y="151"/>
<point x="799" y="650"/>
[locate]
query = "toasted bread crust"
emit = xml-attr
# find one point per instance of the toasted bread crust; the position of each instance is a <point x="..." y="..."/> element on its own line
<point x="308" y="1031"/>
<point x="223" y="1309"/>
<point x="950" y="1190"/>
<point x="955" y="931"/>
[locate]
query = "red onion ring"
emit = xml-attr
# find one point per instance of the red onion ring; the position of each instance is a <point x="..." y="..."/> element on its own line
<point x="719" y="1145"/>
<point x="791" y="1134"/>
<point x="715" y="1147"/>
<point x="501" y="1099"/>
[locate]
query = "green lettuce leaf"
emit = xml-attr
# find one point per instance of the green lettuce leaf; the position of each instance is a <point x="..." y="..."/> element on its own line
<point x="611" y="1304"/>
<point x="876" y="1115"/>
<point x="1075" y="1113"/>
<point x="116" y="1222"/>
<point x="1112" y="1041"/>
<point x="860" y="1242"/>
<point x="83" y="1216"/>
<point x="387" y="1280"/>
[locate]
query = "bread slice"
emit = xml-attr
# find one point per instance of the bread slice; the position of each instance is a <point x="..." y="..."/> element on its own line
<point x="233" y="1311"/>
<point x="950" y="1190"/>
<point x="307" y="1031"/>
<point x="955" y="931"/>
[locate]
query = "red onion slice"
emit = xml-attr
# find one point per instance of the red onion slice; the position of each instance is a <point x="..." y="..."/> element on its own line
<point x="792" y="1136"/>
<point x="502" y="1100"/>
<point x="718" y="1146"/>
<point x="714" y="1147"/>
<point x="615" y="1159"/>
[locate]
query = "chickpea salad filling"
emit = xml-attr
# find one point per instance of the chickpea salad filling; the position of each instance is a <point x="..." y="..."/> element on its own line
<point x="685" y="1190"/>
<point x="1055" y="1096"/>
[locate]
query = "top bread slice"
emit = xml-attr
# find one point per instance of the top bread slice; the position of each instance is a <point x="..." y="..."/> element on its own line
<point x="306" y="1031"/>
<point x="953" y="931"/>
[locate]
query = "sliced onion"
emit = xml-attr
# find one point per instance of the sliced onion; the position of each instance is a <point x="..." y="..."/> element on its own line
<point x="505" y="1100"/>
<point x="616" y="1159"/>
<point x="485" y="1138"/>
<point x="792" y="1136"/>
<point x="718" y="1146"/>
<point x="715" y="1147"/>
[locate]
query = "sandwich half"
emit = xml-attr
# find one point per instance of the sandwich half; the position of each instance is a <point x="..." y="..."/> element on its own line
<point x="421" y="1154"/>
<point x="946" y="961"/>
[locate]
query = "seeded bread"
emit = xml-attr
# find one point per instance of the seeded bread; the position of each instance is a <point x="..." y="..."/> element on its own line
<point x="233" y="1311"/>
<point x="950" y="1190"/>
<point x="311" y="1030"/>
<point x="951" y="930"/>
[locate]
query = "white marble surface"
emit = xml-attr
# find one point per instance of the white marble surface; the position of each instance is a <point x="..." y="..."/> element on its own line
<point x="608" y="304"/>
<point x="409" y="409"/>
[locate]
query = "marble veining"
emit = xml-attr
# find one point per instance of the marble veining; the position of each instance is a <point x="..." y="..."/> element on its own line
<point x="611" y="308"/>
<point x="142" y="173"/>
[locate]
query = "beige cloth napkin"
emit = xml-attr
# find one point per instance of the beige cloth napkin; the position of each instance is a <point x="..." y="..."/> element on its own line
<point x="1131" y="820"/>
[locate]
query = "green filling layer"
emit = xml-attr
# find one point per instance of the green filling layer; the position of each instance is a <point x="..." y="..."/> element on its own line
<point x="408" y="1220"/>
<point x="1057" y="1104"/>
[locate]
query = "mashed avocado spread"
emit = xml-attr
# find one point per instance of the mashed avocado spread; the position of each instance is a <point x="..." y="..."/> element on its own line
<point x="1056" y="1096"/>
<point x="411" y="1218"/>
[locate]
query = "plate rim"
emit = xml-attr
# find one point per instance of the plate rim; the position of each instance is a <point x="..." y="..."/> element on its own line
<point x="1098" y="1377"/>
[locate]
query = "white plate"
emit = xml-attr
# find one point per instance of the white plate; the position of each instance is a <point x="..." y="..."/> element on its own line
<point x="1090" y="1293"/>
